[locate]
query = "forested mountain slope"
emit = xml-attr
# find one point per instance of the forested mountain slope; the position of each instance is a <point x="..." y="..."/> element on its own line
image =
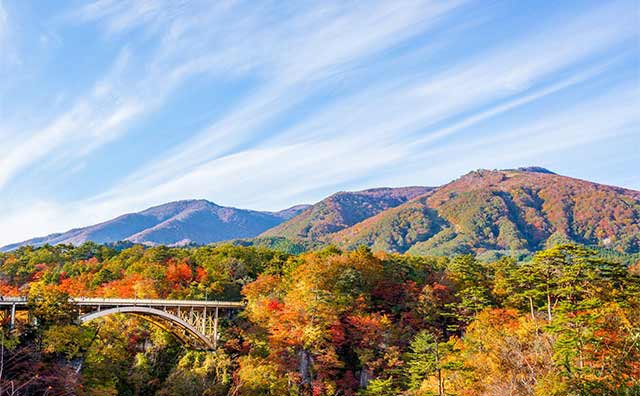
<point x="485" y="211"/>
<point x="342" y="210"/>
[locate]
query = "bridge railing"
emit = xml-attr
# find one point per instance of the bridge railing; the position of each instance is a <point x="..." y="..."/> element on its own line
<point x="9" y="300"/>
<point x="95" y="301"/>
<point x="157" y="302"/>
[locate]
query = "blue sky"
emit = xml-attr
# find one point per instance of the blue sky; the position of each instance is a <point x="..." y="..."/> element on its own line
<point x="109" y="107"/>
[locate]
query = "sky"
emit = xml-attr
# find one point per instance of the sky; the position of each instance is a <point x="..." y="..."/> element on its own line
<point x="109" y="107"/>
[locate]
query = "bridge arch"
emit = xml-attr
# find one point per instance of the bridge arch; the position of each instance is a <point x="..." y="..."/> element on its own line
<point x="182" y="330"/>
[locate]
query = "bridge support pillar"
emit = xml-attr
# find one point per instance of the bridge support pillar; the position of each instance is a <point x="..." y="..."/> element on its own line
<point x="13" y="315"/>
<point x="215" y="329"/>
<point x="204" y="321"/>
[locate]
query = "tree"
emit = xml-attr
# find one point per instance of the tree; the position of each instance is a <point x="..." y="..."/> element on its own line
<point x="472" y="284"/>
<point x="507" y="354"/>
<point x="597" y="348"/>
<point x="429" y="358"/>
<point x="50" y="306"/>
<point x="554" y="274"/>
<point x="68" y="341"/>
<point x="380" y="387"/>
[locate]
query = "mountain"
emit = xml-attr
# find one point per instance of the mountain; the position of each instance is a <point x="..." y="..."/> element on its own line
<point x="293" y="211"/>
<point x="343" y="210"/>
<point x="174" y="223"/>
<point x="486" y="212"/>
<point x="508" y="211"/>
<point x="395" y="229"/>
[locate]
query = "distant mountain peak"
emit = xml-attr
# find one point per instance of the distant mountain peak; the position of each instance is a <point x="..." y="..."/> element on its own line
<point x="536" y="169"/>
<point x="196" y="221"/>
<point x="292" y="211"/>
<point x="493" y="172"/>
<point x="480" y="178"/>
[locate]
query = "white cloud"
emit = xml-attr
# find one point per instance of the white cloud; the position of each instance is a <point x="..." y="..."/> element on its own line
<point x="514" y="103"/>
<point x="133" y="89"/>
<point x="443" y="95"/>
<point x="394" y="108"/>
<point x="6" y="51"/>
<point x="274" y="176"/>
<point x="4" y="20"/>
<point x="88" y="124"/>
<point x="295" y="56"/>
<point x="537" y="140"/>
<point x="394" y="127"/>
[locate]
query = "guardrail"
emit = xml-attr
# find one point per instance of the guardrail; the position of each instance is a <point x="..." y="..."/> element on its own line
<point x="84" y="301"/>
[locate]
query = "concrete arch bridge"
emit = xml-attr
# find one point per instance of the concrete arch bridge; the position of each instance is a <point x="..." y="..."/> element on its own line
<point x="193" y="322"/>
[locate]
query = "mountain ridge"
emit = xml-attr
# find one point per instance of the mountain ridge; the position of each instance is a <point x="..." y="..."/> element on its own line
<point x="173" y="223"/>
<point x="486" y="212"/>
<point x="504" y="210"/>
<point x="342" y="210"/>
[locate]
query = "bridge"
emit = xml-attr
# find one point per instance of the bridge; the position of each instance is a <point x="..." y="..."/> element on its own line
<point x="192" y="322"/>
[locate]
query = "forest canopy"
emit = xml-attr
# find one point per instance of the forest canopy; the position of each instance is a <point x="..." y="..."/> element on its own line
<point x="327" y="322"/>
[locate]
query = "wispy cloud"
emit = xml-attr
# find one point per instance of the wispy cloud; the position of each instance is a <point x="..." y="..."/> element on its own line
<point x="520" y="100"/>
<point x="340" y="95"/>
<point x="90" y="122"/>
<point x="390" y="112"/>
<point x="3" y="22"/>
<point x="265" y="177"/>
<point x="6" y="50"/>
<point x="299" y="56"/>
<point x="538" y="140"/>
<point x="323" y="39"/>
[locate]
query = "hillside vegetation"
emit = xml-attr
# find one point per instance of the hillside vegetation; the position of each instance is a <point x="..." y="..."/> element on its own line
<point x="492" y="213"/>
<point x="326" y="323"/>
<point x="343" y="210"/>
<point x="488" y="213"/>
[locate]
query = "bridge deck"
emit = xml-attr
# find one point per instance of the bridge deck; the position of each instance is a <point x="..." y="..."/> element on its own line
<point x="21" y="302"/>
<point x="193" y="322"/>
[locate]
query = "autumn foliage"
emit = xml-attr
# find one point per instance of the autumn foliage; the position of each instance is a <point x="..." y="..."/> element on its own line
<point x="565" y="322"/>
